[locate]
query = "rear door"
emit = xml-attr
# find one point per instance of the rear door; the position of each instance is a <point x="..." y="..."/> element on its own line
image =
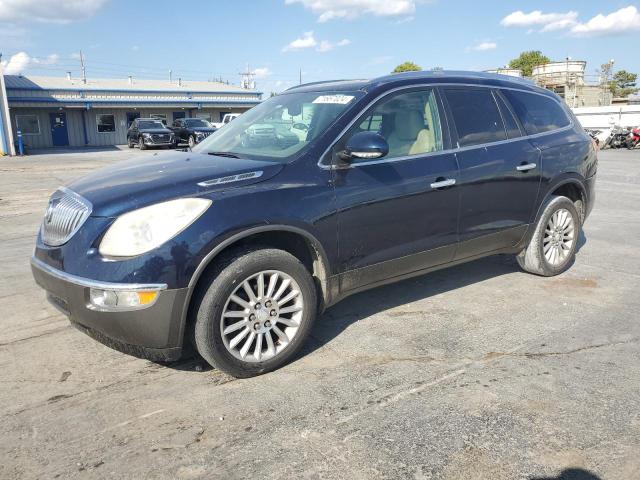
<point x="499" y="170"/>
<point x="393" y="217"/>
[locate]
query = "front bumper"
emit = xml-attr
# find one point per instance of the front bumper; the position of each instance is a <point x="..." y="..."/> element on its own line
<point x="154" y="332"/>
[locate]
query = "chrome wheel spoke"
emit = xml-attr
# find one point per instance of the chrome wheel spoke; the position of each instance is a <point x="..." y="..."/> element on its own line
<point x="281" y="335"/>
<point x="293" y="309"/>
<point x="287" y="321"/>
<point x="271" y="349"/>
<point x="273" y="280"/>
<point x="289" y="297"/>
<point x="258" y="350"/>
<point x="239" y="301"/>
<point x="238" y="338"/>
<point x="249" y="291"/>
<point x="261" y="285"/>
<point x="558" y="237"/>
<point x="235" y="326"/>
<point x="285" y="283"/>
<point x="247" y="345"/>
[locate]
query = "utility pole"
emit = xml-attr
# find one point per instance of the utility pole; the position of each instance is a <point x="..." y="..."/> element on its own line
<point x="170" y="76"/>
<point x="84" y="72"/>
<point x="248" y="81"/>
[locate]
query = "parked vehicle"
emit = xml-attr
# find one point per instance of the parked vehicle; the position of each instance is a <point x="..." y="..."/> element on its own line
<point x="191" y="130"/>
<point x="228" y="117"/>
<point x="633" y="139"/>
<point x="617" y="138"/>
<point x="238" y="246"/>
<point x="149" y="132"/>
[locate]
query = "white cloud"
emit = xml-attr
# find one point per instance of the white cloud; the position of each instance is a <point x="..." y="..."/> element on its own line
<point x="484" y="46"/>
<point x="330" y="9"/>
<point x="48" y="11"/>
<point x="262" y="72"/>
<point x="326" y="46"/>
<point x="621" y="21"/>
<point x="309" y="41"/>
<point x="548" y="21"/>
<point x="21" y="61"/>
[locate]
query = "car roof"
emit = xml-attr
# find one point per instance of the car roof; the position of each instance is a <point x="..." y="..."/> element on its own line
<point x="148" y="119"/>
<point x="422" y="77"/>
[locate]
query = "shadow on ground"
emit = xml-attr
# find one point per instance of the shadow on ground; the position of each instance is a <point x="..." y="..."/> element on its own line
<point x="571" y="474"/>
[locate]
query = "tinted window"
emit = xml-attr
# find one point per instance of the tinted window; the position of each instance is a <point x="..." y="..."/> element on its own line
<point x="410" y="122"/>
<point x="476" y="116"/>
<point x="537" y="113"/>
<point x="513" y="130"/>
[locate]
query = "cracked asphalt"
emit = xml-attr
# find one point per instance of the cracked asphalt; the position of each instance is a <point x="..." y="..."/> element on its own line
<point x="480" y="371"/>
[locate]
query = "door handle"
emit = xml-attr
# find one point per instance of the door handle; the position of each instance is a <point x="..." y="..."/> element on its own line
<point x="526" y="167"/>
<point x="444" y="183"/>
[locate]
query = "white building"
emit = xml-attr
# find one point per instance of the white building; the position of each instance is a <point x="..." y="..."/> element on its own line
<point x="61" y="112"/>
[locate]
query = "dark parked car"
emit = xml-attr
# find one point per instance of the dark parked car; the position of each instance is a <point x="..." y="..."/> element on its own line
<point x="237" y="247"/>
<point x="149" y="132"/>
<point x="191" y="130"/>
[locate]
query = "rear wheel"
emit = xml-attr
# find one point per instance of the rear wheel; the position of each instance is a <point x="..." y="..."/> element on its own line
<point x="141" y="144"/>
<point x="552" y="248"/>
<point x="255" y="313"/>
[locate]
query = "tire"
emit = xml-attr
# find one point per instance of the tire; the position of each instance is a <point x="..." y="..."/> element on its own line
<point x="141" y="144"/>
<point x="215" y="344"/>
<point x="533" y="258"/>
<point x="130" y="144"/>
<point x="192" y="141"/>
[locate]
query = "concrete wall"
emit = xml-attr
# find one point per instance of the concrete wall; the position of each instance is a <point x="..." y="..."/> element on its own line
<point x="605" y="117"/>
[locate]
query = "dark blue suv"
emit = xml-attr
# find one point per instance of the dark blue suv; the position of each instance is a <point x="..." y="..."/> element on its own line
<point x="320" y="192"/>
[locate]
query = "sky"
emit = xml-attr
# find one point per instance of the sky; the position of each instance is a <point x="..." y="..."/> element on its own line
<point x="323" y="39"/>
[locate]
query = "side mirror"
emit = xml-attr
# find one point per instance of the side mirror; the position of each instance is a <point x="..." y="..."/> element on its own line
<point x="367" y="145"/>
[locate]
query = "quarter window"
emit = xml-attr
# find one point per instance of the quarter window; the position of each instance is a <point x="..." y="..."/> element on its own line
<point x="537" y="113"/>
<point x="476" y="116"/>
<point x="28" y="124"/>
<point x="106" y="123"/>
<point x="409" y="122"/>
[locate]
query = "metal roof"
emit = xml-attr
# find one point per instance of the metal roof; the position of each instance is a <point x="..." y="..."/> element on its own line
<point x="19" y="82"/>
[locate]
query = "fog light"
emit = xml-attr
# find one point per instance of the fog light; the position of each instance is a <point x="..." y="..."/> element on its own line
<point x="121" y="299"/>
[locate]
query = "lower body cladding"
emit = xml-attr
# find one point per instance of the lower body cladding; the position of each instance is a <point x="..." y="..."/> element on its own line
<point x="149" y="330"/>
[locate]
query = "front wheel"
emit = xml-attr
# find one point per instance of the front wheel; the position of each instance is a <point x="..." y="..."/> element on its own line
<point x="192" y="141"/>
<point x="141" y="144"/>
<point x="130" y="144"/>
<point x="255" y="313"/>
<point x="552" y="247"/>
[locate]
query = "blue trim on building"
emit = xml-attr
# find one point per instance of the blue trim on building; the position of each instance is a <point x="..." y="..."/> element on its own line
<point x="91" y="102"/>
<point x="133" y="91"/>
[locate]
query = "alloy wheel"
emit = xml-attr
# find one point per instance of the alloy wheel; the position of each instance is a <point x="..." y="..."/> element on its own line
<point x="559" y="236"/>
<point x="262" y="316"/>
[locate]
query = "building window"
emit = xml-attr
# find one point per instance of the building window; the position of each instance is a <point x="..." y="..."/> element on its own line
<point x="160" y="116"/>
<point x="28" y="124"/>
<point x="204" y="116"/>
<point x="106" y="123"/>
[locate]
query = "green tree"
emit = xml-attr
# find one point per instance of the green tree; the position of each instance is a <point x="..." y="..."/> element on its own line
<point x="527" y="60"/>
<point x="407" y="67"/>
<point x="623" y="84"/>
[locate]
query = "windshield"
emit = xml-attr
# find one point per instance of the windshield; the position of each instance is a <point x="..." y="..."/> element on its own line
<point x="281" y="126"/>
<point x="197" y="122"/>
<point x="150" y="124"/>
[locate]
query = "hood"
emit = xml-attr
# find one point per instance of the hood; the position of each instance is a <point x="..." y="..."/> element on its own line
<point x="135" y="183"/>
<point x="154" y="130"/>
<point x="203" y="129"/>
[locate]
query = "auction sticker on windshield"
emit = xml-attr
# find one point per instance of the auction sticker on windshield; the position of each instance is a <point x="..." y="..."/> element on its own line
<point x="334" y="99"/>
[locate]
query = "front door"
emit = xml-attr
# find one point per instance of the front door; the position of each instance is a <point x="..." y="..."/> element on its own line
<point x="397" y="214"/>
<point x="131" y="116"/>
<point x="499" y="171"/>
<point x="59" y="133"/>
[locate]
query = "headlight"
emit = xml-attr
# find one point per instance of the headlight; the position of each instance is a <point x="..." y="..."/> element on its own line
<point x="142" y="230"/>
<point x="199" y="134"/>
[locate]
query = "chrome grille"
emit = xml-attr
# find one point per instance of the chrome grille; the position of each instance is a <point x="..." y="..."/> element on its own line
<point x="160" y="138"/>
<point x="66" y="213"/>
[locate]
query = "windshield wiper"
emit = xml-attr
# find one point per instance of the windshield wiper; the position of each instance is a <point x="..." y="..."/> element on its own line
<point x="224" y="154"/>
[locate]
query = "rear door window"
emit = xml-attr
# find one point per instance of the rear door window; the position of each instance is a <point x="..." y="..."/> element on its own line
<point x="537" y="113"/>
<point x="476" y="116"/>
